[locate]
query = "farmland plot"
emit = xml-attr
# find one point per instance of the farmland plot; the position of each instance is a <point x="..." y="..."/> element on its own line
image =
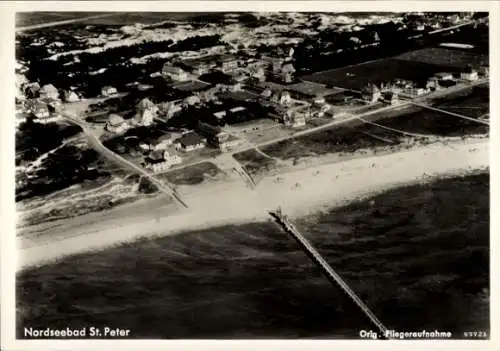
<point x="473" y="103"/>
<point x="430" y="122"/>
<point x="356" y="77"/>
<point x="450" y="58"/>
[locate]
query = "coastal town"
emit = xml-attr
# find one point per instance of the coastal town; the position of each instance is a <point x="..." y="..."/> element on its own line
<point x="127" y="126"/>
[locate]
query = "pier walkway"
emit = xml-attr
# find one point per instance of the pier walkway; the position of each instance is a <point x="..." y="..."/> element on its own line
<point x="285" y="223"/>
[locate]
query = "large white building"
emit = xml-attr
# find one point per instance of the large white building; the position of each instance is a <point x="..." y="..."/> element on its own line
<point x="116" y="124"/>
<point x="108" y="91"/>
<point x="174" y="73"/>
<point x="161" y="160"/>
<point x="469" y="76"/>
<point x="190" y="142"/>
<point x="40" y="110"/>
<point x="71" y="96"/>
<point x="146" y="112"/>
<point x="48" y="92"/>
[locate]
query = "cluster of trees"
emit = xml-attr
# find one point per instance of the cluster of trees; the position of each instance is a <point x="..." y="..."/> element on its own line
<point x="65" y="167"/>
<point x="34" y="139"/>
<point x="320" y="52"/>
<point x="120" y="71"/>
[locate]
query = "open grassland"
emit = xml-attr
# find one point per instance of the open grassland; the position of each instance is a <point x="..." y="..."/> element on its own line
<point x="358" y="76"/>
<point x="344" y="139"/>
<point x="24" y="19"/>
<point x="255" y="162"/>
<point x="471" y="103"/>
<point x="430" y="122"/>
<point x="418" y="256"/>
<point x="453" y="59"/>
<point x="194" y="175"/>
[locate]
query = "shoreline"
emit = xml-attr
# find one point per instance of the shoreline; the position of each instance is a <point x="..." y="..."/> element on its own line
<point x="320" y="187"/>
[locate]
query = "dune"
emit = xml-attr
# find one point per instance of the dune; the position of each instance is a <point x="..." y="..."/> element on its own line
<point x="297" y="192"/>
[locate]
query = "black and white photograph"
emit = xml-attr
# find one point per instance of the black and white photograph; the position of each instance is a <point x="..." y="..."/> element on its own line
<point x="316" y="175"/>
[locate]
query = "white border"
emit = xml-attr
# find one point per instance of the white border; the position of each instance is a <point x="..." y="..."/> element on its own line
<point x="7" y="207"/>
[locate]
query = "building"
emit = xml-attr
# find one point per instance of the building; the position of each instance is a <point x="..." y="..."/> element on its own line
<point x="21" y="81"/>
<point x="228" y="63"/>
<point x="220" y="115"/>
<point x="484" y="71"/>
<point x="318" y="101"/>
<point x="266" y="93"/>
<point x="147" y="111"/>
<point x="294" y="119"/>
<point x="469" y="74"/>
<point x="414" y="91"/>
<point x="161" y="160"/>
<point x="218" y="138"/>
<point x="54" y="105"/>
<point x="444" y="76"/>
<point x="235" y="87"/>
<point x="283" y="98"/>
<point x="192" y="100"/>
<point x="320" y="110"/>
<point x="199" y="66"/>
<point x="40" y="110"/>
<point x="174" y="73"/>
<point x="391" y="97"/>
<point x="48" y="92"/>
<point x="274" y="63"/>
<point x="433" y="84"/>
<point x="190" y="142"/>
<point x="71" y="96"/>
<point x="287" y="72"/>
<point x="31" y="90"/>
<point x="108" y="91"/>
<point x="116" y="124"/>
<point x="168" y="109"/>
<point x="258" y="74"/>
<point x="162" y="143"/>
<point x="371" y="94"/>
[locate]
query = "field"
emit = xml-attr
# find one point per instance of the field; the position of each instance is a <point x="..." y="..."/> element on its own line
<point x="345" y="139"/>
<point x="383" y="130"/>
<point x="452" y="59"/>
<point x="193" y="175"/>
<point x="33" y="18"/>
<point x="472" y="103"/>
<point x="356" y="77"/>
<point x="418" y="264"/>
<point x="254" y="162"/>
<point x="429" y="122"/>
<point x="118" y="18"/>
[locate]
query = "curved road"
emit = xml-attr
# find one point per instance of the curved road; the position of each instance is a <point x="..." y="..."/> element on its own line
<point x="114" y="157"/>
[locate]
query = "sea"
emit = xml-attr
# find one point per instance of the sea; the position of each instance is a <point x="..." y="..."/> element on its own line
<point x="418" y="256"/>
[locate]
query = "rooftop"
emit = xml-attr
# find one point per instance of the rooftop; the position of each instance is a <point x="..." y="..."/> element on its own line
<point x="115" y="119"/>
<point x="190" y="139"/>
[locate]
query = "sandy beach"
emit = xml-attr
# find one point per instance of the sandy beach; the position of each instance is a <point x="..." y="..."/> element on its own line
<point x="297" y="192"/>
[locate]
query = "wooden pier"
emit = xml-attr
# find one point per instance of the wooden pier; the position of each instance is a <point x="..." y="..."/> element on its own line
<point x="333" y="276"/>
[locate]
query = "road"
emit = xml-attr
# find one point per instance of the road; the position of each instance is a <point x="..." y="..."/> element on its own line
<point x="60" y="23"/>
<point x="97" y="145"/>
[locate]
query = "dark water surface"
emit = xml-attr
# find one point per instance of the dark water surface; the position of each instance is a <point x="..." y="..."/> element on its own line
<point x="418" y="256"/>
